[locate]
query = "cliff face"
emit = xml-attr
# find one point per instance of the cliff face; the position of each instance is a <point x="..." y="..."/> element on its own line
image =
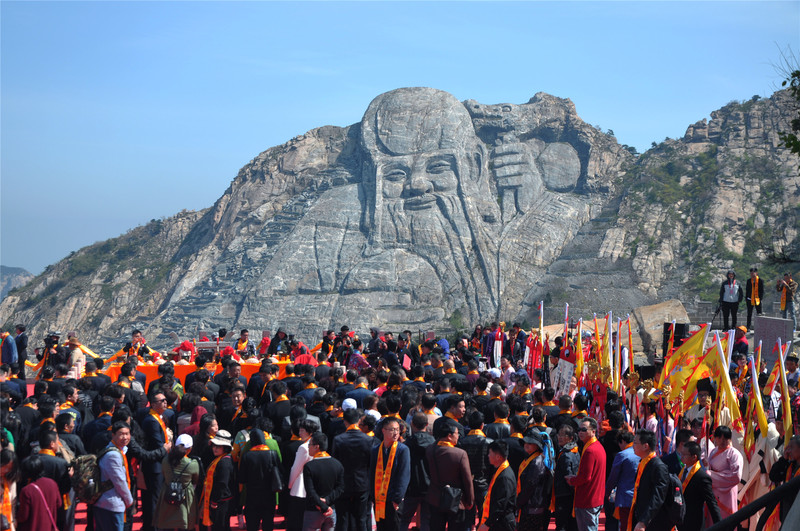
<point x="436" y="214"/>
<point x="11" y="278"/>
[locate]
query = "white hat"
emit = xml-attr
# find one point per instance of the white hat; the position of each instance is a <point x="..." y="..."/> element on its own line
<point x="185" y="440"/>
<point x="495" y="372"/>
<point x="349" y="403"/>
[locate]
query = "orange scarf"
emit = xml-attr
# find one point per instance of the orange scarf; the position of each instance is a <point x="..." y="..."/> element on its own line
<point x="517" y="435"/>
<point x="756" y="300"/>
<point x="784" y="294"/>
<point x="692" y="471"/>
<point x="523" y="466"/>
<point x="5" y="509"/>
<point x="45" y="451"/>
<point x="281" y="398"/>
<point x="642" y="465"/>
<point x="160" y="423"/>
<point x="445" y="443"/>
<point x="320" y="455"/>
<point x="259" y="448"/>
<point x="477" y="432"/>
<point x="125" y="462"/>
<point x="207" y="485"/>
<point x="383" y="475"/>
<point x="487" y="502"/>
<point x="352" y="427"/>
<point x="473" y="372"/>
<point x="501" y="421"/>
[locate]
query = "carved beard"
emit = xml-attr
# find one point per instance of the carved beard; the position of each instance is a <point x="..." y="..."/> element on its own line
<point x="441" y="235"/>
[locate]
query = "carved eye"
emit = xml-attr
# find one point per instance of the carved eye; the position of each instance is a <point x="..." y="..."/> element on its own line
<point x="439" y="166"/>
<point x="395" y="174"/>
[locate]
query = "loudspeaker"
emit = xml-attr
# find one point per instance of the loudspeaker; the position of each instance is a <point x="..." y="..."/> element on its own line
<point x="681" y="333"/>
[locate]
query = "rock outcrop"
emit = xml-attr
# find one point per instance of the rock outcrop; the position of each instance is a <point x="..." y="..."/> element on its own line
<point x="436" y="214"/>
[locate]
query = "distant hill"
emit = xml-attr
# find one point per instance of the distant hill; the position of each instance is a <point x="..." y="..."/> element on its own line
<point x="435" y="214"/>
<point x="12" y="277"/>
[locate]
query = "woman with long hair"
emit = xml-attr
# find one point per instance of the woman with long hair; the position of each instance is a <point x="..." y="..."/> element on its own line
<point x="38" y="499"/>
<point x="178" y="468"/>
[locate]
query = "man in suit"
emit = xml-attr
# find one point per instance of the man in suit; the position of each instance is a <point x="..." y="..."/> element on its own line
<point x="155" y="431"/>
<point x="648" y="510"/>
<point x="449" y="465"/>
<point x="390" y="471"/>
<point x="21" y="340"/>
<point x="498" y="509"/>
<point x="697" y="489"/>
<point x="349" y="448"/>
<point x="360" y="392"/>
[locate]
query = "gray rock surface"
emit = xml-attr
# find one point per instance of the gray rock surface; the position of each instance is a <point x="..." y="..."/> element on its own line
<point x="435" y="214"/>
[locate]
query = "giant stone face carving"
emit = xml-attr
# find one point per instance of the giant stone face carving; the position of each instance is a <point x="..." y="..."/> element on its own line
<point x="441" y="223"/>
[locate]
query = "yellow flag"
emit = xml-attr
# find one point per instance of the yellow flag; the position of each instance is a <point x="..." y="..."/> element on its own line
<point x="726" y="388"/>
<point x="787" y="403"/>
<point x="683" y="363"/>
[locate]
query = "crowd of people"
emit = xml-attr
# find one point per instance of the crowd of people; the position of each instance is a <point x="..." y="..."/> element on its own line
<point x="383" y="431"/>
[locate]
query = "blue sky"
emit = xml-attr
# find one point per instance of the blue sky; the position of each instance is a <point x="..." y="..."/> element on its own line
<point x="115" y="113"/>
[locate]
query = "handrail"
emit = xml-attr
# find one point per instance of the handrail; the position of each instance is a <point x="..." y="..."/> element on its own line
<point x="771" y="499"/>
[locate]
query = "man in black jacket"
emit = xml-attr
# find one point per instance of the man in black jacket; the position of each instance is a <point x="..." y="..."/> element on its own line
<point x="255" y="473"/>
<point x="648" y="510"/>
<point x="351" y="449"/>
<point x="414" y="500"/>
<point x="754" y="295"/>
<point x="155" y="431"/>
<point x="323" y="478"/>
<point x="696" y="489"/>
<point x="476" y="444"/>
<point x="497" y="513"/>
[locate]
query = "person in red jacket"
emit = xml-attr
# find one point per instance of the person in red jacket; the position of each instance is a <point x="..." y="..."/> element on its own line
<point x="590" y="483"/>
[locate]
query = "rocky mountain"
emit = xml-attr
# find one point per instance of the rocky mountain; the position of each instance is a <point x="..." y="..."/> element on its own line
<point x="12" y="277"/>
<point x="435" y="214"/>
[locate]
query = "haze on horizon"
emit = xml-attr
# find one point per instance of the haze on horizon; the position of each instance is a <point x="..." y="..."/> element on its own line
<point x="112" y="114"/>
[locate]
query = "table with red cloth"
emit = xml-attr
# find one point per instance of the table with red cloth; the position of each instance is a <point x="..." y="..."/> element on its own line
<point x="151" y="370"/>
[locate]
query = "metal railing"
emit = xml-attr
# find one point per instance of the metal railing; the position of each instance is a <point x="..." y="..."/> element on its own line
<point x="787" y="491"/>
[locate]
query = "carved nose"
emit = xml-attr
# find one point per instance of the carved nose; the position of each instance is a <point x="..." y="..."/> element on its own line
<point x="420" y="185"/>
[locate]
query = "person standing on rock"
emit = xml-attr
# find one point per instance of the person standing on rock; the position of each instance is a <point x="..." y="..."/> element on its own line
<point x="754" y="294"/>
<point x="730" y="295"/>
<point x="787" y="288"/>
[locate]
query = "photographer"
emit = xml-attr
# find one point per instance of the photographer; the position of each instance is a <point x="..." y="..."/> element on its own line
<point x="52" y="353"/>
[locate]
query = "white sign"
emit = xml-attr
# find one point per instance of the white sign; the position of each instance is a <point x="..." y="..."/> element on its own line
<point x="561" y="377"/>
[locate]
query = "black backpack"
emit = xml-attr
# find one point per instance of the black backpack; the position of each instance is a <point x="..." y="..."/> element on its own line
<point x="674" y="503"/>
<point x="175" y="493"/>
